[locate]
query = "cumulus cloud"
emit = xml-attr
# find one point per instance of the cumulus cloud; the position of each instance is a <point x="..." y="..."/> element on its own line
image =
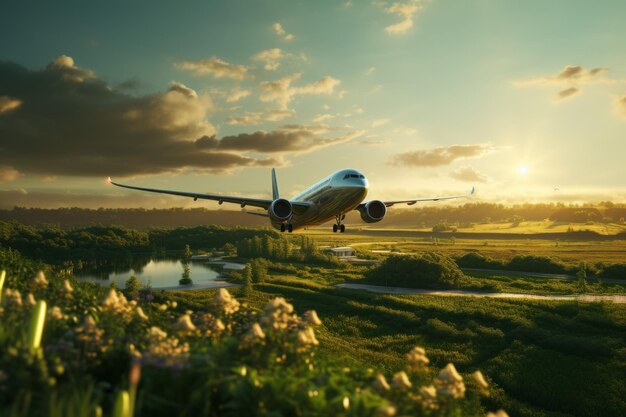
<point x="439" y="156"/>
<point x="73" y="123"/>
<point x="270" y="58"/>
<point x="280" y="31"/>
<point x="237" y="94"/>
<point x="568" y="92"/>
<point x="216" y="68"/>
<point x="8" y="173"/>
<point x="258" y="117"/>
<point x="282" y="92"/>
<point x="290" y="138"/>
<point x="620" y="105"/>
<point x="469" y="174"/>
<point x="570" y="79"/>
<point x="406" y="11"/>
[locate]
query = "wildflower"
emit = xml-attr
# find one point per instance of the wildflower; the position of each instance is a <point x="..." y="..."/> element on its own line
<point x="67" y="289"/>
<point x="480" y="381"/>
<point x="116" y="303"/>
<point x="278" y="314"/>
<point x="92" y="338"/>
<point x="499" y="413"/>
<point x="184" y="324"/>
<point x="417" y="359"/>
<point x="311" y="318"/>
<point x="141" y="314"/>
<point x="429" y="396"/>
<point x="401" y="381"/>
<point x="30" y="299"/>
<point x="380" y="383"/>
<point x="134" y="353"/>
<point x="164" y="351"/>
<point x="225" y="302"/>
<point x="307" y="337"/>
<point x="13" y="298"/>
<point x="254" y="335"/>
<point x="40" y="280"/>
<point x="56" y="313"/>
<point x="449" y="383"/>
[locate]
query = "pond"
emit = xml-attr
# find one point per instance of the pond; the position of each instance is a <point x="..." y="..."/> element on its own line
<point x="156" y="272"/>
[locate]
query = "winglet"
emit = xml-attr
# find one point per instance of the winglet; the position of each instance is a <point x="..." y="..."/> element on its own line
<point x="473" y="189"/>
<point x="275" y="194"/>
<point x="108" y="180"/>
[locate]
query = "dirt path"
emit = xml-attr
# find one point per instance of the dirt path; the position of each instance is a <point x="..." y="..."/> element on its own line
<point x="461" y="293"/>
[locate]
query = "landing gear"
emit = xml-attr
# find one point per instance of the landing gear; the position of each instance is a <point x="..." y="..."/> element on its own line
<point x="286" y="227"/>
<point x="282" y="228"/>
<point x="339" y="226"/>
<point x="289" y="228"/>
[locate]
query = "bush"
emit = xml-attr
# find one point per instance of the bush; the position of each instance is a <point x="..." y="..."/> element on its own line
<point x="431" y="270"/>
<point x="532" y="263"/>
<point x="478" y="261"/>
<point x="615" y="271"/>
<point x="132" y="287"/>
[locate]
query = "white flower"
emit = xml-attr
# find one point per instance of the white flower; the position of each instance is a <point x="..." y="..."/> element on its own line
<point x="449" y="383"/>
<point x="254" y="335"/>
<point x="417" y="359"/>
<point x="184" y="324"/>
<point x="401" y="381"/>
<point x="41" y="280"/>
<point x="380" y="383"/>
<point x="307" y="337"/>
<point x="225" y="302"/>
<point x="67" y="287"/>
<point x="311" y="318"/>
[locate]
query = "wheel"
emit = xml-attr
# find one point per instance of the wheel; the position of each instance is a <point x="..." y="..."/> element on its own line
<point x="334" y="228"/>
<point x="282" y="228"/>
<point x="342" y="228"/>
<point x="289" y="228"/>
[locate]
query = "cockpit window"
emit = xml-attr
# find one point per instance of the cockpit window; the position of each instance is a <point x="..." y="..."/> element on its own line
<point x="361" y="176"/>
<point x="345" y="177"/>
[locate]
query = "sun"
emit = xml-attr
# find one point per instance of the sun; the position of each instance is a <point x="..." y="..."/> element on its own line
<point x="522" y="170"/>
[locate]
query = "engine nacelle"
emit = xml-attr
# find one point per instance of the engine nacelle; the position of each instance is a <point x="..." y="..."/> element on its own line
<point x="373" y="211"/>
<point x="280" y="210"/>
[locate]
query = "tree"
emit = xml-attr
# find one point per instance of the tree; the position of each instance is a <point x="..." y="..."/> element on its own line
<point x="582" y="276"/>
<point x="132" y="287"/>
<point x="247" y="281"/>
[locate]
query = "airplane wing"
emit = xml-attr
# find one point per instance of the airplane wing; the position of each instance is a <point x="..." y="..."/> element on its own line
<point x="242" y="201"/>
<point x="410" y="202"/>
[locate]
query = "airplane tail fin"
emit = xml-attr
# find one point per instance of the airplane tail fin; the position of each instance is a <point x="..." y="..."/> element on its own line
<point x="274" y="185"/>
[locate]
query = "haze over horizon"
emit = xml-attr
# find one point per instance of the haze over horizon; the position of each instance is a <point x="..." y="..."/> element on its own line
<point x="524" y="100"/>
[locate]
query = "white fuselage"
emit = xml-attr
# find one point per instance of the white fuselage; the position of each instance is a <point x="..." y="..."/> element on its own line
<point x="330" y="198"/>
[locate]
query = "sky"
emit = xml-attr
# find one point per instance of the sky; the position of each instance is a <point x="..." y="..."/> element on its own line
<point x="524" y="100"/>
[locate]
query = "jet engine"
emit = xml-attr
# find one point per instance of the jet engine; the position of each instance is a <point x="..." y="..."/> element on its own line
<point x="280" y="210"/>
<point x="373" y="211"/>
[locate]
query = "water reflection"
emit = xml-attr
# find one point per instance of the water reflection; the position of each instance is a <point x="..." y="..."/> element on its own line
<point x="156" y="271"/>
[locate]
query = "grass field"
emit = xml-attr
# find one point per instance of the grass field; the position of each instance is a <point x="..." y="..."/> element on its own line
<point x="545" y="358"/>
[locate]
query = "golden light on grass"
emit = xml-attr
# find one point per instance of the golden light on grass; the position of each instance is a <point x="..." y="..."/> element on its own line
<point x="2" y="277"/>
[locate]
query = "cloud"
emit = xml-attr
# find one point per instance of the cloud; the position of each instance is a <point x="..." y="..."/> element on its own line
<point x="258" y="117"/>
<point x="620" y="105"/>
<point x="8" y="104"/>
<point x="568" y="92"/>
<point x="469" y="174"/>
<point x="324" y="117"/>
<point x="237" y="94"/>
<point x="380" y="122"/>
<point x="216" y="68"/>
<point x="8" y="173"/>
<point x="73" y="123"/>
<point x="439" y="156"/>
<point x="282" y="92"/>
<point x="280" y="31"/>
<point x="406" y="12"/>
<point x="290" y="138"/>
<point x="270" y="57"/>
<point x="570" y="75"/>
<point x="370" y="71"/>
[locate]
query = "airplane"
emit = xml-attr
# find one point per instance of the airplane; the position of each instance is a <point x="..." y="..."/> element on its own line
<point x="332" y="197"/>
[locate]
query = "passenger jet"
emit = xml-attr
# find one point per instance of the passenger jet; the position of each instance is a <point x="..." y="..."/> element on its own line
<point x="330" y="198"/>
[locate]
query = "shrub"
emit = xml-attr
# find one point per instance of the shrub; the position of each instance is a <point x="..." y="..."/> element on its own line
<point x="532" y="263"/>
<point x="478" y="261"/>
<point x="431" y="270"/>
<point x="615" y="271"/>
